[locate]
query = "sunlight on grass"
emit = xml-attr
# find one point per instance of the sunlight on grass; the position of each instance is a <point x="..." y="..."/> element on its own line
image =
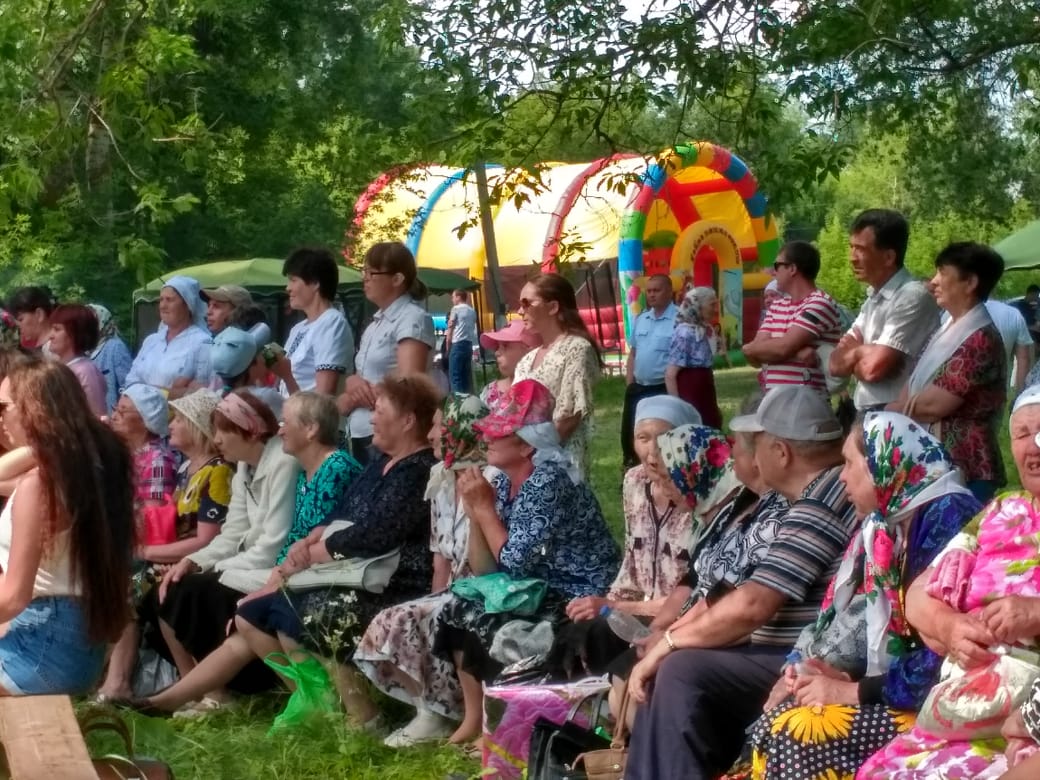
<point x="235" y="745"/>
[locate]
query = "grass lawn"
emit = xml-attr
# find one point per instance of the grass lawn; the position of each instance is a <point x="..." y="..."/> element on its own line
<point x="235" y="745"/>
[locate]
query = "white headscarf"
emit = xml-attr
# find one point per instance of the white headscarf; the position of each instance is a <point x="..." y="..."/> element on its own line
<point x="546" y="442"/>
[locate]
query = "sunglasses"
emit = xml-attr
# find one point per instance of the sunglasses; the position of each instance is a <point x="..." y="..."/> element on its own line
<point x="527" y="303"/>
<point x="778" y="265"/>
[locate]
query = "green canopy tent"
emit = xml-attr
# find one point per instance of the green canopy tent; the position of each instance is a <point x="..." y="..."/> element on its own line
<point x="1022" y="248"/>
<point x="262" y="276"/>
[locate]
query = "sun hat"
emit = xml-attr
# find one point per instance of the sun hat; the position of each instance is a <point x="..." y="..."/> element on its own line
<point x="528" y="402"/>
<point x="674" y="411"/>
<point x="795" y="413"/>
<point x="198" y="408"/>
<point x="514" y="332"/>
<point x="150" y="403"/>
<point x="232" y="352"/>
<point x="234" y="294"/>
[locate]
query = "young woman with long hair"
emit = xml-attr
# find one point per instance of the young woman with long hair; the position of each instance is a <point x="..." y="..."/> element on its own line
<point x="568" y="362"/>
<point x="66" y="535"/>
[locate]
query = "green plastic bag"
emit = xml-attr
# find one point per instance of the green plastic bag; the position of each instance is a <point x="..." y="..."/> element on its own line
<point x="315" y="694"/>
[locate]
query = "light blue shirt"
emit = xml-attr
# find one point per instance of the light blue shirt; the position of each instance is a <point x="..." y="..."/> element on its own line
<point x="160" y="362"/>
<point x="651" y="338"/>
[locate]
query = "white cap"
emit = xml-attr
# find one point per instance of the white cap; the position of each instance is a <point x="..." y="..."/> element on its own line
<point x="795" y="413"/>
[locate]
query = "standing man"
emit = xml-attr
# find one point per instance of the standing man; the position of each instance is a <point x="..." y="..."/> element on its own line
<point x="460" y="336"/>
<point x="803" y="319"/>
<point x="647" y="357"/>
<point x="1018" y="342"/>
<point x="897" y="319"/>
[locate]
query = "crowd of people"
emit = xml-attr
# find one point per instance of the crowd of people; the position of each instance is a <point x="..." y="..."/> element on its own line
<point x="828" y="596"/>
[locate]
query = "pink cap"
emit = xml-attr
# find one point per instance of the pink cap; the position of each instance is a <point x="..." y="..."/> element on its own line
<point x="513" y="332"/>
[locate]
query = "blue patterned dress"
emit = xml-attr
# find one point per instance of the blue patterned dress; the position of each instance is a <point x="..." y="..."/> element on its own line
<point x="556" y="533"/>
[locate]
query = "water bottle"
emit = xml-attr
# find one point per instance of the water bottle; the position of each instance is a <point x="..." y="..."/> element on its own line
<point x="627" y="627"/>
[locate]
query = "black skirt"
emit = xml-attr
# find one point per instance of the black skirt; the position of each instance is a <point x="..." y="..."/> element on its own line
<point x="198" y="609"/>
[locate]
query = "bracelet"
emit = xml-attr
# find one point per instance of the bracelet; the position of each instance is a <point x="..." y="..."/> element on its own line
<point x="669" y="640"/>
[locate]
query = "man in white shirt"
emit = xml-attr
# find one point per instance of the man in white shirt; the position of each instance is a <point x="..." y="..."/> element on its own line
<point x="1018" y="342"/>
<point x="896" y="320"/>
<point x="460" y="336"/>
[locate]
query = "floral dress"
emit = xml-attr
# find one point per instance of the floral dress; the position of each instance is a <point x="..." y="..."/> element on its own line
<point x="982" y="564"/>
<point x="569" y="370"/>
<point x="861" y="629"/>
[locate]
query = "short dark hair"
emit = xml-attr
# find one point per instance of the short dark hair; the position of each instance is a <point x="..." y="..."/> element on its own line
<point x="314" y="264"/>
<point x="973" y="259"/>
<point x="415" y="394"/>
<point x="803" y="256"/>
<point x="891" y="230"/>
<point x="1033" y="288"/>
<point x="80" y="323"/>
<point x="463" y="294"/>
<point x="665" y="277"/>
<point x="29" y="299"/>
<point x="248" y="317"/>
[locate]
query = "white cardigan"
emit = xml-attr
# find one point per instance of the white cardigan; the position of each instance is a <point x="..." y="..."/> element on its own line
<point x="259" y="516"/>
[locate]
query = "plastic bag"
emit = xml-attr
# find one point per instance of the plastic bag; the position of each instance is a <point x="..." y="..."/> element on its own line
<point x="314" y="695"/>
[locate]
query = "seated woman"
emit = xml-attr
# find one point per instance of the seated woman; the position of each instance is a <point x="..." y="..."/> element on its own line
<point x="536" y="519"/>
<point x="74" y="333"/>
<point x="142" y="420"/>
<point x="65" y="544"/>
<point x="238" y="362"/>
<point x="396" y="651"/>
<point x="972" y="600"/>
<point x="387" y="511"/>
<point x="192" y="604"/>
<point x="859" y="674"/>
<point x="658" y="536"/>
<point x="201" y="499"/>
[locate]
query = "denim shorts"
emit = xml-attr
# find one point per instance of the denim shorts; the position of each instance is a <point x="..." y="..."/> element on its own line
<point x="47" y="650"/>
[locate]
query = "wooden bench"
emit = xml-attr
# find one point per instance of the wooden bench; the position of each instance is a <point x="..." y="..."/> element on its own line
<point x="41" y="739"/>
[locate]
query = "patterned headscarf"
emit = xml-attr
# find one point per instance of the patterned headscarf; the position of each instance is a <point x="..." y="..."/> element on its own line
<point x="699" y="460"/>
<point x="461" y="445"/>
<point x="909" y="468"/>
<point x="106" y="326"/>
<point x="692" y="305"/>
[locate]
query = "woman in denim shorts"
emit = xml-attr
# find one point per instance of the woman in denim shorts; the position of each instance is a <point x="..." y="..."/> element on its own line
<point x="66" y="534"/>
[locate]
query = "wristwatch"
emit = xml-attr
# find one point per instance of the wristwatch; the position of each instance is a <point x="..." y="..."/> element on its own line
<point x="669" y="640"/>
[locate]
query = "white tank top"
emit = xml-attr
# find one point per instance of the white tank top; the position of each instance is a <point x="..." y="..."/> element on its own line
<point x="52" y="578"/>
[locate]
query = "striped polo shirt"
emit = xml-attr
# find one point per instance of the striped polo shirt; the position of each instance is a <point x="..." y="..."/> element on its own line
<point x="804" y="556"/>
<point x="817" y="313"/>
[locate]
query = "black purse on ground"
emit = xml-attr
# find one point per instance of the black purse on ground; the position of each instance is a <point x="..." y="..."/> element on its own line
<point x="556" y="746"/>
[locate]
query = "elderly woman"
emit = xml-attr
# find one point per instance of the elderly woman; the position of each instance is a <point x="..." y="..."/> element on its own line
<point x="959" y="385"/>
<point x="201" y="498"/>
<point x="400" y="337"/>
<point x="980" y="595"/>
<point x="142" y="420"/>
<point x="387" y="511"/>
<point x="396" y="652"/>
<point x="193" y="604"/>
<point x="537" y="522"/>
<point x="859" y="674"/>
<point x="319" y="352"/>
<point x="176" y="354"/>
<point x="74" y="333"/>
<point x="691" y="355"/>
<point x="568" y="363"/>
<point x="111" y="355"/>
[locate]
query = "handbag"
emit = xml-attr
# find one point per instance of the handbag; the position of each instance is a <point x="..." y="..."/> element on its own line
<point x="973" y="704"/>
<point x="160" y="523"/>
<point x="117" y="767"/>
<point x="555" y="747"/>
<point x="609" y="763"/>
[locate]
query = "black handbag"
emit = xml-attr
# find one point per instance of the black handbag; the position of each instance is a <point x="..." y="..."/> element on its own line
<point x="555" y="746"/>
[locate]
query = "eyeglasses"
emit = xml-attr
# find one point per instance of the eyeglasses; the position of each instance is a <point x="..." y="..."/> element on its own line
<point x="778" y="265"/>
<point x="527" y="303"/>
<point x="368" y="273"/>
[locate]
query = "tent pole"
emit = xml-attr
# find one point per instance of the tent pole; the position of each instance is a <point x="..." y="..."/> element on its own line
<point x="487" y="227"/>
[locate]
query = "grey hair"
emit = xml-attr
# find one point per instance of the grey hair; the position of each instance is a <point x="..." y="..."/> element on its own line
<point x="317" y="409"/>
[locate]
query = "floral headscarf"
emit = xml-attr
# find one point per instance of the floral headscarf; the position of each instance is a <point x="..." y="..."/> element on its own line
<point x="699" y="460"/>
<point x="910" y="468"/>
<point x="461" y="444"/>
<point x="107" y="327"/>
<point x="9" y="335"/>
<point x="692" y="304"/>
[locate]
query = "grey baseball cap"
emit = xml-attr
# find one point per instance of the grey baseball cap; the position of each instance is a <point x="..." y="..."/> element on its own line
<point x="795" y="413"/>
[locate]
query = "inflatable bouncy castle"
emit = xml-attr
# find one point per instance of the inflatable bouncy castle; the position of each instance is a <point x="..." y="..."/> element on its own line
<point x="694" y="212"/>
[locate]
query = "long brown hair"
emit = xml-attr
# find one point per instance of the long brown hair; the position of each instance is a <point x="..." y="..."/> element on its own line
<point x="87" y="482"/>
<point x="553" y="288"/>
